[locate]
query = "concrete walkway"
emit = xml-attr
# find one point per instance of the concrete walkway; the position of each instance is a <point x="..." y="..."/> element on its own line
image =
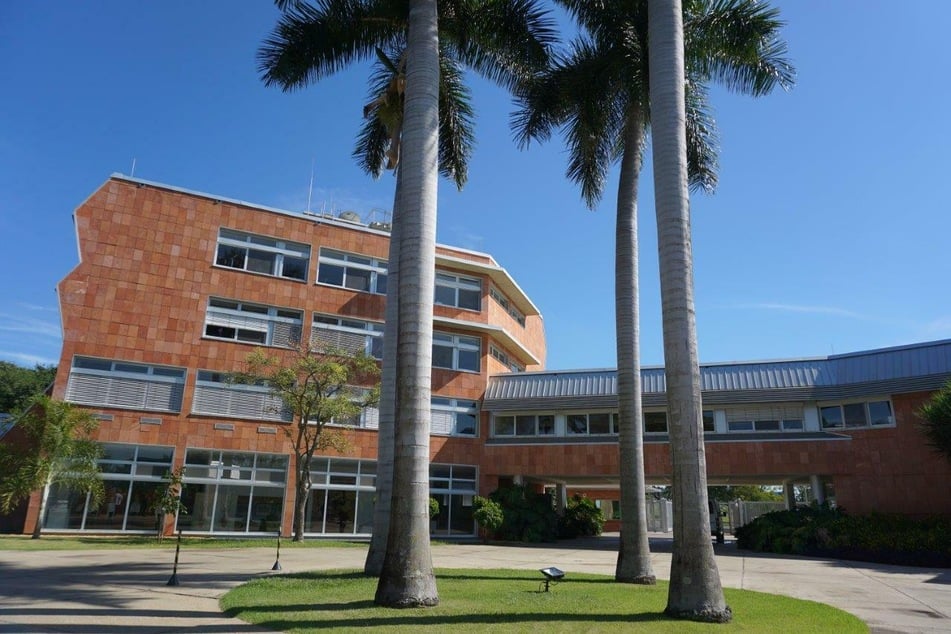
<point x="113" y="591"/>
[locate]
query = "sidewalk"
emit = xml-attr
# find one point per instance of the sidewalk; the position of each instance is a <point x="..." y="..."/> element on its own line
<point x="113" y="591"/>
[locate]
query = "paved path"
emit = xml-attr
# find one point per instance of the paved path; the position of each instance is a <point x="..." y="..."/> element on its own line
<point x="113" y="591"/>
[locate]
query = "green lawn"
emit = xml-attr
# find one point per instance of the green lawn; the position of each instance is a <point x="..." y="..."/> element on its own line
<point x="72" y="542"/>
<point x="510" y="601"/>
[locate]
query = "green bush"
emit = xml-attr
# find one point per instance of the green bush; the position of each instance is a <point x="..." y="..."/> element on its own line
<point x="487" y="514"/>
<point x="526" y="516"/>
<point x="828" y="532"/>
<point x="433" y="508"/>
<point x="582" y="518"/>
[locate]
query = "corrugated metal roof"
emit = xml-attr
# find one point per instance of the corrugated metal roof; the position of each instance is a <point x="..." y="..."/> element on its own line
<point x="918" y="366"/>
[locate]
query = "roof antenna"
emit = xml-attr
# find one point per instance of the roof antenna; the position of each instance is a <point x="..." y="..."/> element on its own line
<point x="132" y="175"/>
<point x="310" y="189"/>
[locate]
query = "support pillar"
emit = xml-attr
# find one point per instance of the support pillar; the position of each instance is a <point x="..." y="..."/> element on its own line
<point x="818" y="491"/>
<point x="789" y="492"/>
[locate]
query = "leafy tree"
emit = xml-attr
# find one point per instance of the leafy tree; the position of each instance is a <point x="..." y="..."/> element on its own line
<point x="55" y="447"/>
<point x="599" y="94"/>
<point x="936" y="421"/>
<point x="317" y="386"/>
<point x="18" y="385"/>
<point x="582" y="518"/>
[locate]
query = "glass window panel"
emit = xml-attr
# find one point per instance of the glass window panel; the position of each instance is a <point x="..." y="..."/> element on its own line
<point x="880" y="413"/>
<point x="577" y="424"/>
<point x="767" y="425"/>
<point x="92" y="364"/>
<point x="740" y="425"/>
<point x="504" y="425"/>
<point x="831" y="416"/>
<point x="110" y="514"/>
<point x="231" y="509"/>
<point x="460" y="515"/>
<point x="792" y="424"/>
<point x="261" y="261"/>
<point x="108" y="467"/>
<point x="708" y="421"/>
<point x="357" y="279"/>
<point x="266" y="508"/>
<point x="230" y="256"/>
<point x="445" y="296"/>
<point x="524" y="425"/>
<point x="465" y="424"/>
<point x="546" y="425"/>
<point x="142" y="505"/>
<point x="854" y="414"/>
<point x="599" y="424"/>
<point x="271" y="461"/>
<point x="381" y="283"/>
<point x="442" y="356"/>
<point x="364" y="517"/>
<point x="470" y="299"/>
<point x="252" y="336"/>
<point x="199" y="457"/>
<point x="330" y="274"/>
<point x="151" y="470"/>
<point x="341" y="506"/>
<point x="221" y="332"/>
<point x="655" y="422"/>
<point x="133" y="368"/>
<point x="118" y="452"/>
<point x="294" y="268"/>
<point x="65" y="508"/>
<point x="440" y="471"/>
<point x="469" y="360"/>
<point x="314" y="514"/>
<point x="199" y="500"/>
<point x="463" y="472"/>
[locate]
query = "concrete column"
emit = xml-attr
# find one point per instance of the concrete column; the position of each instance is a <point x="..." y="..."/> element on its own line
<point x="818" y="491"/>
<point x="562" y="498"/>
<point x="789" y="491"/>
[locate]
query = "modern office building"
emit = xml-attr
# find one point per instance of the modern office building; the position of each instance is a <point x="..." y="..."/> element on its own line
<point x="175" y="288"/>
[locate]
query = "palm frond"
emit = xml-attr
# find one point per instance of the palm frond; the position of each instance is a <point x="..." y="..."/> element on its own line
<point x="311" y="42"/>
<point x="702" y="140"/>
<point x="456" y="122"/>
<point x="738" y="44"/>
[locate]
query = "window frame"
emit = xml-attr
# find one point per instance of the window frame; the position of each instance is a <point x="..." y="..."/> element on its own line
<point x="507" y="305"/>
<point x="283" y="251"/>
<point x="371" y="331"/>
<point x="457" y="285"/>
<point x="376" y="268"/>
<point x="457" y="345"/>
<point x="843" y="424"/>
<point x="269" y="319"/>
<point x="112" y="372"/>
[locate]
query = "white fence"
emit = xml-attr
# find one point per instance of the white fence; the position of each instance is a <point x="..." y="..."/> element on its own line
<point x="743" y="512"/>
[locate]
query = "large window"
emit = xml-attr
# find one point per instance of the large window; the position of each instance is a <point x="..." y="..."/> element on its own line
<point x="857" y="415"/>
<point x="216" y="394"/>
<point x="456" y="352"/>
<point x="524" y="425"/>
<point x="461" y="292"/>
<point x="765" y="418"/>
<point x="342" y="496"/>
<point x="233" y="491"/>
<point x="125" y="385"/>
<point x="350" y="335"/>
<point x="252" y="323"/>
<point x="133" y="479"/>
<point x="656" y="422"/>
<point x="347" y="270"/>
<point x="260" y="254"/>
<point x="504" y="302"/>
<point x="453" y="486"/>
<point x="454" y="417"/>
<point x="594" y="424"/>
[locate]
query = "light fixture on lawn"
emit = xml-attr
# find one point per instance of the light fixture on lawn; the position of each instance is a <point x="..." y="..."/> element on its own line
<point x="552" y="575"/>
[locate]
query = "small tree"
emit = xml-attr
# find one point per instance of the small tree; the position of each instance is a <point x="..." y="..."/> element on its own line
<point x="936" y="421"/>
<point x="487" y="514"/>
<point x="317" y="386"/>
<point x="56" y="448"/>
<point x="169" y="501"/>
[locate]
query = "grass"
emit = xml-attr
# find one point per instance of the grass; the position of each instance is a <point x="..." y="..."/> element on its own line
<point x="107" y="542"/>
<point x="510" y="601"/>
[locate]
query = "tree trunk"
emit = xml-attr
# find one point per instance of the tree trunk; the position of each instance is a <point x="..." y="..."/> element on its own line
<point x="407" y="578"/>
<point x="695" y="590"/>
<point x="41" y="514"/>
<point x="386" y="434"/>
<point x="302" y="489"/>
<point x="634" y="558"/>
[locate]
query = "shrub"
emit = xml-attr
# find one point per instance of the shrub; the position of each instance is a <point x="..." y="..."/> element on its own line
<point x="823" y="531"/>
<point x="487" y="514"/>
<point x="582" y="518"/>
<point x="526" y="516"/>
<point x="433" y="508"/>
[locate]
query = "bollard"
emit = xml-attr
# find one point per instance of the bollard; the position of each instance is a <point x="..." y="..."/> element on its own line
<point x="277" y="562"/>
<point x="173" y="580"/>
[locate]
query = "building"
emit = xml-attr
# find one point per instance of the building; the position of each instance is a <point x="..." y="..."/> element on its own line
<point x="174" y="288"/>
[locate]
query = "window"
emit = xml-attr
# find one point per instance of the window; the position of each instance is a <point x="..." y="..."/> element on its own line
<point x="260" y="254"/>
<point x="505" y="360"/>
<point x="708" y="421"/>
<point x="233" y="491"/>
<point x="462" y="292"/>
<point x="124" y="385"/>
<point x="454" y="417"/>
<point x="857" y="415"/>
<point x="217" y="395"/>
<point x="765" y="418"/>
<point x="504" y="302"/>
<point x="524" y="425"/>
<point x="456" y="352"/>
<point x="655" y="422"/>
<point x="356" y="272"/>
<point x="351" y="335"/>
<point x="252" y="323"/>
<point x="594" y="424"/>
<point x="367" y="418"/>
<point x="453" y="486"/>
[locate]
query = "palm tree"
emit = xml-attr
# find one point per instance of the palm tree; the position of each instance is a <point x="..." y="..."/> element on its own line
<point x="500" y="39"/>
<point x="600" y="93"/>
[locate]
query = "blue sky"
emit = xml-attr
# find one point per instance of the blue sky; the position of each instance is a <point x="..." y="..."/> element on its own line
<point x="828" y="232"/>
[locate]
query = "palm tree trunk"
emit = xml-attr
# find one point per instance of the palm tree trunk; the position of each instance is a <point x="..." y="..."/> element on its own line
<point x="41" y="514"/>
<point x="634" y="558"/>
<point x="695" y="591"/>
<point x="407" y="578"/>
<point x="386" y="433"/>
